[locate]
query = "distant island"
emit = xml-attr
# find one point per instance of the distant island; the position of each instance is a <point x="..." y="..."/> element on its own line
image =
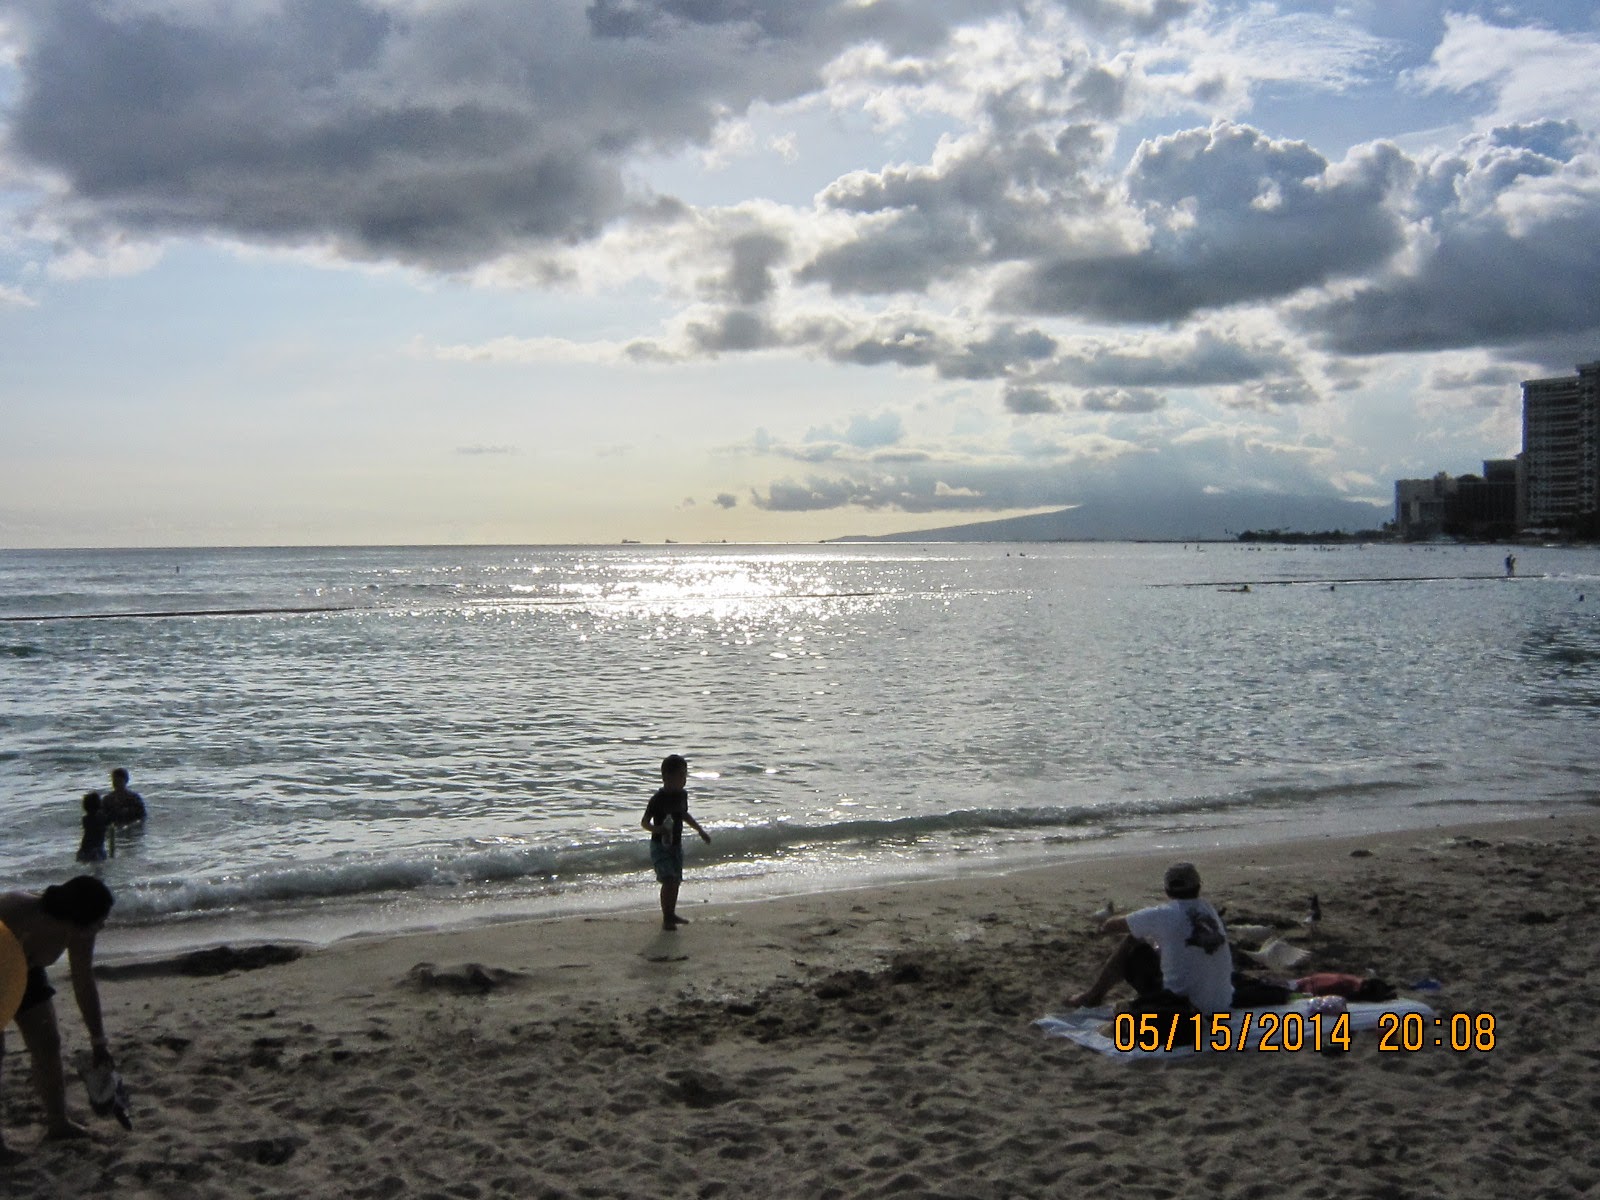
<point x="1296" y="538"/>
<point x="1170" y="517"/>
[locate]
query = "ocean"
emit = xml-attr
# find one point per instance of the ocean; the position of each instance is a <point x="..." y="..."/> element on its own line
<point x="338" y="741"/>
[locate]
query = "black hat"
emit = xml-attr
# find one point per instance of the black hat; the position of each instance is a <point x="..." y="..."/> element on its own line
<point x="1183" y="881"/>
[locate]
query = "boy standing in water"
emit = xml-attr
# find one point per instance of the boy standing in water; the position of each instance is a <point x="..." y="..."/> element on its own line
<point x="665" y="817"/>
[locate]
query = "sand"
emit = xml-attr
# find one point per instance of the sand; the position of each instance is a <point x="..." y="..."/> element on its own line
<point x="863" y="1043"/>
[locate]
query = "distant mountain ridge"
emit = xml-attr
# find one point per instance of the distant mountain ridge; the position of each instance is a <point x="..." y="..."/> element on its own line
<point x="1174" y="518"/>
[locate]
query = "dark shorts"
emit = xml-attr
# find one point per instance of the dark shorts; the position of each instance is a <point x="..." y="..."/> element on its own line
<point x="668" y="862"/>
<point x="37" y="991"/>
<point x="1142" y="970"/>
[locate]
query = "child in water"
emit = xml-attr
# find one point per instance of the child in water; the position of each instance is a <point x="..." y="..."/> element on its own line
<point x="96" y="823"/>
<point x="665" y="816"/>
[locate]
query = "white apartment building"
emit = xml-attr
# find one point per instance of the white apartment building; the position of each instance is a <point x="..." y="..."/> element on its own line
<point x="1561" y="452"/>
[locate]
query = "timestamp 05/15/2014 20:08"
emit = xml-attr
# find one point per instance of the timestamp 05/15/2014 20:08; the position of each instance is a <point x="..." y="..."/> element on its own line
<point x="1398" y="1032"/>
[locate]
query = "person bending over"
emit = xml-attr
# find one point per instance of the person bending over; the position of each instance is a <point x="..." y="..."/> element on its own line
<point x="60" y="920"/>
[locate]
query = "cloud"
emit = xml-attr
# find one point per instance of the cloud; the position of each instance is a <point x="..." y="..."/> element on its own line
<point x="816" y="494"/>
<point x="992" y="197"/>
<point x="1447" y="379"/>
<point x="1121" y="400"/>
<point x="735" y="330"/>
<point x="1229" y="215"/>
<point x="1529" y="72"/>
<point x="864" y="433"/>
<point x="486" y="451"/>
<point x="1505" y="251"/>
<point x="529" y="350"/>
<point x="750" y="279"/>
<point x="1136" y="16"/>
<point x="1200" y="357"/>
<point x="442" y="135"/>
<point x="1029" y="401"/>
<point x="726" y="500"/>
<point x="1059" y="473"/>
<point x="1267" y="394"/>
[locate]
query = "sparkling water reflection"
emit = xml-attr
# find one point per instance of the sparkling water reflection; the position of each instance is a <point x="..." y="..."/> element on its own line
<point x="492" y="717"/>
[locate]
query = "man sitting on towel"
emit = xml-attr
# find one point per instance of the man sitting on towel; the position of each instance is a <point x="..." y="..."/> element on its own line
<point x="1174" y="955"/>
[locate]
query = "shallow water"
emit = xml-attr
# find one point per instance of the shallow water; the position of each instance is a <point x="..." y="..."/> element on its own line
<point x="479" y="728"/>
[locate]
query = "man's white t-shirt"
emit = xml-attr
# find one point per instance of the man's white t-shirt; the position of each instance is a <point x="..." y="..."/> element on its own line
<point x="1195" y="959"/>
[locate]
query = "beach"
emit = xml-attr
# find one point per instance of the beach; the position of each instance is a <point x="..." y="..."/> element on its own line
<point x="863" y="1043"/>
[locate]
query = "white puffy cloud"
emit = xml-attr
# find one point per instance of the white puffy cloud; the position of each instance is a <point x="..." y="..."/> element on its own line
<point x="1529" y="71"/>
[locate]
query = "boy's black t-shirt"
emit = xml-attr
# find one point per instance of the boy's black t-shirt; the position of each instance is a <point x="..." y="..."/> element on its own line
<point x="673" y="804"/>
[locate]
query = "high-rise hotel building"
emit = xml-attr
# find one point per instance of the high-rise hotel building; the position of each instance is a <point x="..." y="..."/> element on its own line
<point x="1561" y="453"/>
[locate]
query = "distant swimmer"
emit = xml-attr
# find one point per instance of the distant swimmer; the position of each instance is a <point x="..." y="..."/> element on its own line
<point x="123" y="807"/>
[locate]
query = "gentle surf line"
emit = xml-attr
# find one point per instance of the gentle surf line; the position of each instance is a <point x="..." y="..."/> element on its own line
<point x="1216" y="583"/>
<point x="191" y="612"/>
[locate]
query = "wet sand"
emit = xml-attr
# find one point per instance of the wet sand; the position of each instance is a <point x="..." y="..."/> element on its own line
<point x="863" y="1043"/>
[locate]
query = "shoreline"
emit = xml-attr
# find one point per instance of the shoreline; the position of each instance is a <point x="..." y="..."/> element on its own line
<point x="864" y="1042"/>
<point x="335" y="920"/>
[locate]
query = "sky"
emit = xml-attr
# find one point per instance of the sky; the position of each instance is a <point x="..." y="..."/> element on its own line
<point x="301" y="272"/>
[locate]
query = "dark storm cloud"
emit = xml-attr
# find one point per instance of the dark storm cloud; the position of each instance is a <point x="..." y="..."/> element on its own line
<point x="736" y="330"/>
<point x="1206" y="361"/>
<point x="996" y="353"/>
<point x="1447" y="380"/>
<point x="814" y="495"/>
<point x="1026" y="358"/>
<point x="1510" y="255"/>
<point x="1137" y="16"/>
<point x="1267" y="394"/>
<point x="1030" y="401"/>
<point x="982" y="352"/>
<point x="749" y="279"/>
<point x="907" y="343"/>
<point x="909" y="25"/>
<point x="440" y="135"/>
<point x="1233" y="216"/>
<point x="1121" y="400"/>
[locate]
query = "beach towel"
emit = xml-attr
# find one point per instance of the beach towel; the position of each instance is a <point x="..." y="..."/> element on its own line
<point x="1088" y="1027"/>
